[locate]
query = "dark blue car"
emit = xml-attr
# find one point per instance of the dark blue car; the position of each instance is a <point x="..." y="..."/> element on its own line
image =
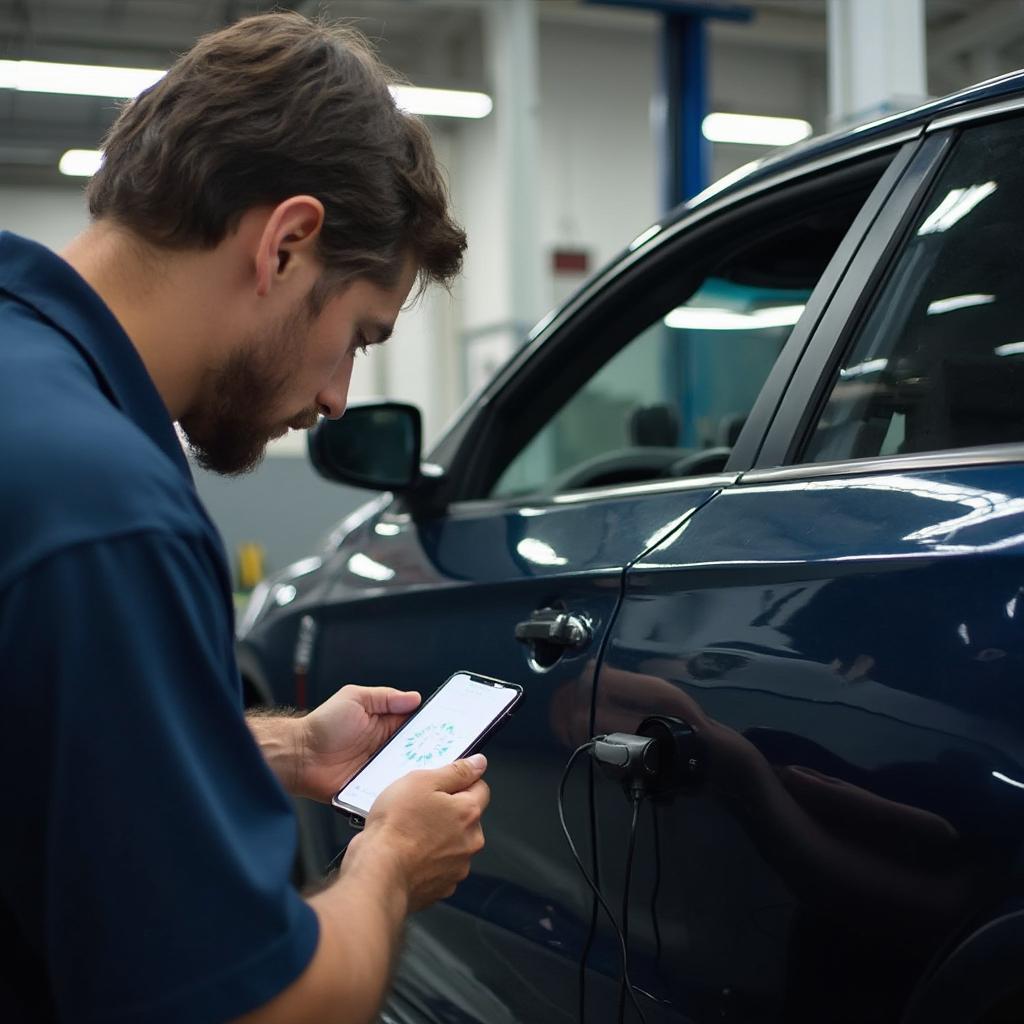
<point x="764" y="475"/>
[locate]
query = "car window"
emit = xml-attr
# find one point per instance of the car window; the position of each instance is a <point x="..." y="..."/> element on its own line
<point x="938" y="362"/>
<point x="671" y="397"/>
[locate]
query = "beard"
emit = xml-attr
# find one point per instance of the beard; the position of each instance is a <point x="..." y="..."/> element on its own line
<point x="229" y="428"/>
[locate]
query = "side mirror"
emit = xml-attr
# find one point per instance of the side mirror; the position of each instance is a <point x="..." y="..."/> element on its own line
<point x="374" y="445"/>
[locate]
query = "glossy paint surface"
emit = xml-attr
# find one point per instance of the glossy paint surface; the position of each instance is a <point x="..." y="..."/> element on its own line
<point x="851" y="652"/>
<point x="408" y="604"/>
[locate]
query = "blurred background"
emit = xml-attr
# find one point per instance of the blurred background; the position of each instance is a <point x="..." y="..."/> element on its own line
<point x="565" y="126"/>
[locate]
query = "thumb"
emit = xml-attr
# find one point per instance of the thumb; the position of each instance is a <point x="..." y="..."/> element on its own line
<point x="460" y="775"/>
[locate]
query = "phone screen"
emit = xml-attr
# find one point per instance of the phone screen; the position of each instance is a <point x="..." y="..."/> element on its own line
<point x="444" y="729"/>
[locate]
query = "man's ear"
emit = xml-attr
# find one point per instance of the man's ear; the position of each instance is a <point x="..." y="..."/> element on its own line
<point x="288" y="242"/>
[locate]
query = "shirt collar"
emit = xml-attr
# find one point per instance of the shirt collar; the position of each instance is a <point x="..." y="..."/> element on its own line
<point x="38" y="278"/>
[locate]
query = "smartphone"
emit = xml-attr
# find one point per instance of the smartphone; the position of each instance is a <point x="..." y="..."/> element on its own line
<point x="450" y="724"/>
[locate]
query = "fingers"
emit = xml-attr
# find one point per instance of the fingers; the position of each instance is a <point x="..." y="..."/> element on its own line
<point x="478" y="795"/>
<point x="460" y="775"/>
<point x="383" y="700"/>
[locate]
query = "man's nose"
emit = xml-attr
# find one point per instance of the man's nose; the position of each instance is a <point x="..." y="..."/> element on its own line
<point x="332" y="402"/>
<point x="334" y="396"/>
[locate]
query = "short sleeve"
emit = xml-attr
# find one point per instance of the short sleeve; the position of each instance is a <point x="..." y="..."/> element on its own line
<point x="152" y="846"/>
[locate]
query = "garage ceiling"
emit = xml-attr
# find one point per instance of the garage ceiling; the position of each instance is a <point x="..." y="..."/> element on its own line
<point x="432" y="42"/>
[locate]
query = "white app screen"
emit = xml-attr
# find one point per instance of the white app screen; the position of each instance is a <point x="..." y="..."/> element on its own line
<point x="456" y="715"/>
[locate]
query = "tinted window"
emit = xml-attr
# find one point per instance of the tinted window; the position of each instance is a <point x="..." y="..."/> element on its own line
<point x="939" y="360"/>
<point x="671" y="398"/>
<point x="672" y="402"/>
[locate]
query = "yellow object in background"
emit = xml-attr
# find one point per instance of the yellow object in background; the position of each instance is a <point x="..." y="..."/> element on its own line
<point x="250" y="564"/>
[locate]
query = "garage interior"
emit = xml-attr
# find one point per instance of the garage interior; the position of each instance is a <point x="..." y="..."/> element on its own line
<point x="564" y="171"/>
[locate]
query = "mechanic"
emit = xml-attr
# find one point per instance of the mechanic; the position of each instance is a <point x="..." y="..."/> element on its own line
<point x="262" y="213"/>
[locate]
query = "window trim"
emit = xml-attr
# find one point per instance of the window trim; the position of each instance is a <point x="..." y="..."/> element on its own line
<point x="757" y="429"/>
<point x="477" y="506"/>
<point x="478" y="435"/>
<point x="951" y="458"/>
<point x="867" y="273"/>
<point x="972" y="115"/>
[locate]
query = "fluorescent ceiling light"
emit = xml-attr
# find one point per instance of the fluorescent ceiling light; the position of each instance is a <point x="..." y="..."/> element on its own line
<point x="80" y="163"/>
<point x="1013" y="348"/>
<point x="76" y="79"/>
<point x="958" y="302"/>
<point x="711" y="318"/>
<point x="754" y="130"/>
<point x="958" y="203"/>
<point x="127" y="83"/>
<point x="442" y="102"/>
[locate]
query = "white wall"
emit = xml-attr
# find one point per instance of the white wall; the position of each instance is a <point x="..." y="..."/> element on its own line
<point x="52" y="216"/>
<point x="599" y="175"/>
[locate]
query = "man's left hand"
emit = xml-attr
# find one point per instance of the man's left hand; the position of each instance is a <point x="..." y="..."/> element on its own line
<point x="344" y="732"/>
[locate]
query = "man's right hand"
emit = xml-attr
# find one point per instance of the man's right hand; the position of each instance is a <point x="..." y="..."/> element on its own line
<point x="429" y="823"/>
<point x="416" y="847"/>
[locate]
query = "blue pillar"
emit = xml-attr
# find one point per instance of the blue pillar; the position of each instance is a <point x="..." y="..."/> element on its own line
<point x="683" y="88"/>
<point x="684" y="100"/>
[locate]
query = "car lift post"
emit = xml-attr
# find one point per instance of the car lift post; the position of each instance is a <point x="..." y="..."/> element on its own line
<point x="682" y="100"/>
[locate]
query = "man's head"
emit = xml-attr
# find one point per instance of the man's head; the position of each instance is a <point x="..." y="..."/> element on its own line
<point x="279" y="139"/>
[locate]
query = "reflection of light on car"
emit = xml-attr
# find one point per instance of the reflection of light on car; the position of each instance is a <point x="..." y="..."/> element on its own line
<point x="723" y="183"/>
<point x="958" y="203"/>
<point x="983" y="506"/>
<point x="268" y="592"/>
<point x="363" y="565"/>
<point x="955" y="302"/>
<point x="1012" y="348"/>
<point x="387" y="529"/>
<point x="304" y="566"/>
<point x="664" y="531"/>
<point x="1006" y="778"/>
<point x="354" y="520"/>
<point x="538" y="328"/>
<point x="714" y="318"/>
<point x="536" y="551"/>
<point x="644" y="236"/>
<point x="861" y="369"/>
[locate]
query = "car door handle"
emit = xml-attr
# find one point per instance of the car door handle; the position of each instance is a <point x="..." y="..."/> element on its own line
<point x="553" y="626"/>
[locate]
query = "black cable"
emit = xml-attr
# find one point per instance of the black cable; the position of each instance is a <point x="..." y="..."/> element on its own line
<point x="637" y="797"/>
<point x="592" y="924"/>
<point x="657" y="885"/>
<point x="593" y="888"/>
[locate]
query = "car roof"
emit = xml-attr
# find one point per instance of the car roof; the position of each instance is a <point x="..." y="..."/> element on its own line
<point x="834" y="143"/>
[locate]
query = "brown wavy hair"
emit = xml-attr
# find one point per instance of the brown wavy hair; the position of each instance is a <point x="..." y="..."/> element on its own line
<point x="274" y="106"/>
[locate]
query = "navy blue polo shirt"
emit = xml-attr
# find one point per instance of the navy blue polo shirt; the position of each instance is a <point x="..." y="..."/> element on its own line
<point x="146" y="846"/>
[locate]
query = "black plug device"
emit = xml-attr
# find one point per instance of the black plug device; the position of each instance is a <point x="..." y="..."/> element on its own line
<point x="681" y="758"/>
<point x="632" y="760"/>
<point x="662" y="758"/>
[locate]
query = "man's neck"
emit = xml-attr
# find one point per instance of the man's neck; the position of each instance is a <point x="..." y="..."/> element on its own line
<point x="153" y="296"/>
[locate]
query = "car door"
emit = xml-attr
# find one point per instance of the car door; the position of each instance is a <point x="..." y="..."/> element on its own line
<point x="842" y="628"/>
<point x="598" y="443"/>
